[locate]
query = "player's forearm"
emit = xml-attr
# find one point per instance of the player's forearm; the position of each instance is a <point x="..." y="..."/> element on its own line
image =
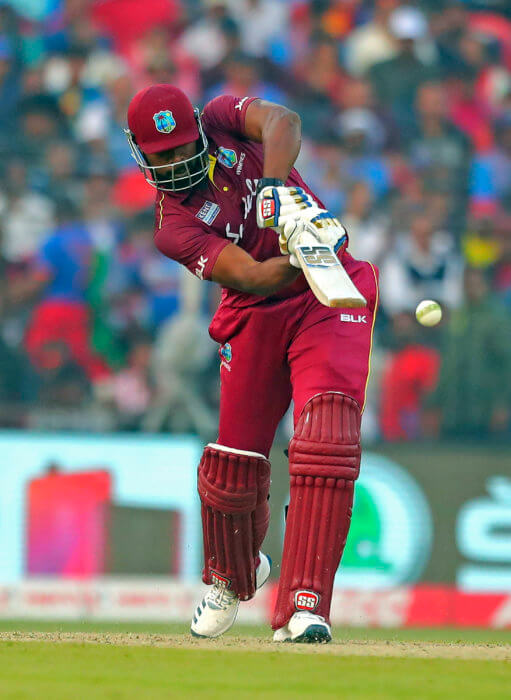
<point x="270" y="276"/>
<point x="260" y="278"/>
<point x="281" y="139"/>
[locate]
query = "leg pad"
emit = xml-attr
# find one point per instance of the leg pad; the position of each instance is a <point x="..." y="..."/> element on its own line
<point x="324" y="462"/>
<point x="233" y="487"/>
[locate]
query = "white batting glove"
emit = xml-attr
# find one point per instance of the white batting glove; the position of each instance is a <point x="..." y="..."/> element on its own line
<point x="325" y="226"/>
<point x="276" y="205"/>
<point x="320" y="223"/>
<point x="289" y="237"/>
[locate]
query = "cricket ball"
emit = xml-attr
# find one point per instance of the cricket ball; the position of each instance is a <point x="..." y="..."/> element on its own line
<point x="428" y="312"/>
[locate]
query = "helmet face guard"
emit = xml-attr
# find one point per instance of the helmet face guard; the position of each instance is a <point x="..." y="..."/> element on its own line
<point x="179" y="176"/>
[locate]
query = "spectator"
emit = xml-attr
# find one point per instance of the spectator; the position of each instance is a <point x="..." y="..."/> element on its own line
<point x="320" y="73"/>
<point x="60" y="181"/>
<point x="63" y="384"/>
<point x="213" y="36"/>
<point x="423" y="266"/>
<point x="363" y="136"/>
<point x="490" y="180"/>
<point x="182" y="359"/>
<point x="411" y="371"/>
<point x="149" y="285"/>
<point x="357" y="94"/>
<point x="479" y="244"/>
<point x="262" y="23"/>
<point x="120" y="92"/>
<point x="372" y="42"/>
<point x="437" y="149"/>
<point x="131" y="389"/>
<point x="60" y="277"/>
<point x="469" y="114"/>
<point x="396" y="80"/>
<point x="26" y="216"/>
<point x="64" y="80"/>
<point x="448" y="28"/>
<point x="321" y="164"/>
<point x="41" y="124"/>
<point x="473" y="397"/>
<point x="242" y="75"/>
<point x="156" y="57"/>
<point x="367" y="228"/>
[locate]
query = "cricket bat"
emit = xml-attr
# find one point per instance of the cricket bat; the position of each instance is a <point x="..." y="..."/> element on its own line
<point x="326" y="276"/>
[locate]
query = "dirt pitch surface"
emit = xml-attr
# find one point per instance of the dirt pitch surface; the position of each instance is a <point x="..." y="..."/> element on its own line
<point x="423" y="650"/>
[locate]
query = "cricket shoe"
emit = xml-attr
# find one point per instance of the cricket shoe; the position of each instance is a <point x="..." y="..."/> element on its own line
<point x="217" y="611"/>
<point x="305" y="627"/>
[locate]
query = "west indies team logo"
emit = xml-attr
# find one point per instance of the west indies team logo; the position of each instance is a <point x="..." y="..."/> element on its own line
<point x="227" y="157"/>
<point x="164" y="121"/>
<point x="225" y="356"/>
<point x="226" y="352"/>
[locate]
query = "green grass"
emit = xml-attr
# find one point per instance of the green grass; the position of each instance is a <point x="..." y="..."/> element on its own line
<point x="46" y="670"/>
<point x="74" y="671"/>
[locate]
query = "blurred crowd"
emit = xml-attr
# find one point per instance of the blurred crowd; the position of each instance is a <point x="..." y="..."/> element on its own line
<point x="406" y="116"/>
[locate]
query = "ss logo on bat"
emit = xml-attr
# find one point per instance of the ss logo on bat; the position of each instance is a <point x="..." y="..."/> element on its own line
<point x="318" y="255"/>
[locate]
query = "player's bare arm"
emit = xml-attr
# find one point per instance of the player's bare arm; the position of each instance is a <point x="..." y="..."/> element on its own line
<point x="279" y="130"/>
<point x="236" y="269"/>
<point x="294" y="214"/>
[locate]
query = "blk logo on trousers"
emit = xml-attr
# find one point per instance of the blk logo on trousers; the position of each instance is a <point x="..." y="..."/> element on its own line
<point x="351" y="318"/>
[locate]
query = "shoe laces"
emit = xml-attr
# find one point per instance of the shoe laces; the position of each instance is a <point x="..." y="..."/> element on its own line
<point x="221" y="596"/>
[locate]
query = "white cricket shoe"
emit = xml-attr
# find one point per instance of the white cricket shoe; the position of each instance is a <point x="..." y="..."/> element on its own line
<point x="304" y="627"/>
<point x="217" y="611"/>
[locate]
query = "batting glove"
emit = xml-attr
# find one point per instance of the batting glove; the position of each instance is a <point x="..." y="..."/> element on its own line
<point x="320" y="223"/>
<point x="289" y="238"/>
<point x="326" y="227"/>
<point x="276" y="205"/>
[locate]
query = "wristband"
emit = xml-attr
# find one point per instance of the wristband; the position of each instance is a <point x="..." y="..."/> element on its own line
<point x="269" y="182"/>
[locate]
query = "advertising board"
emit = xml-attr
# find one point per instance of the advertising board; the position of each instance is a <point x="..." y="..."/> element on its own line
<point x="151" y="474"/>
<point x="78" y="505"/>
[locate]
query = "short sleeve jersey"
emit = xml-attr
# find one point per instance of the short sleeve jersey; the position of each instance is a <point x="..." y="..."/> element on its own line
<point x="193" y="228"/>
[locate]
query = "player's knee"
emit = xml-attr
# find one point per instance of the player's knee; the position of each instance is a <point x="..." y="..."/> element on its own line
<point x="232" y="481"/>
<point x="326" y="442"/>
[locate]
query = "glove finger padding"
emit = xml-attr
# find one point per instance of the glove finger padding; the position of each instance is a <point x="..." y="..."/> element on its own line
<point x="326" y="227"/>
<point x="276" y="204"/>
<point x="289" y="235"/>
<point x="289" y="238"/>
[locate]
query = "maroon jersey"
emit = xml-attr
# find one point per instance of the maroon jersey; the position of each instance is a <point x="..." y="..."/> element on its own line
<point x="193" y="228"/>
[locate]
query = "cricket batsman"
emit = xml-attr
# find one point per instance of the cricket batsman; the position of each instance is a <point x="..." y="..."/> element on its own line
<point x="231" y="207"/>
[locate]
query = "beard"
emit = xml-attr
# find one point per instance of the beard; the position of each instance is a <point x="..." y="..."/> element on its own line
<point x="179" y="174"/>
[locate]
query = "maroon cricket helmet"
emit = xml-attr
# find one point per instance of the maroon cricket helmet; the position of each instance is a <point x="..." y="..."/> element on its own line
<point x="161" y="117"/>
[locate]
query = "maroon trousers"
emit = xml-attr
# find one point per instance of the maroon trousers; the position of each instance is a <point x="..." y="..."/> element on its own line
<point x="292" y="349"/>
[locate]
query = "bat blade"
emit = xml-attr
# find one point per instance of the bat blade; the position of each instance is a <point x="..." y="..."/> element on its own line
<point x="326" y="276"/>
